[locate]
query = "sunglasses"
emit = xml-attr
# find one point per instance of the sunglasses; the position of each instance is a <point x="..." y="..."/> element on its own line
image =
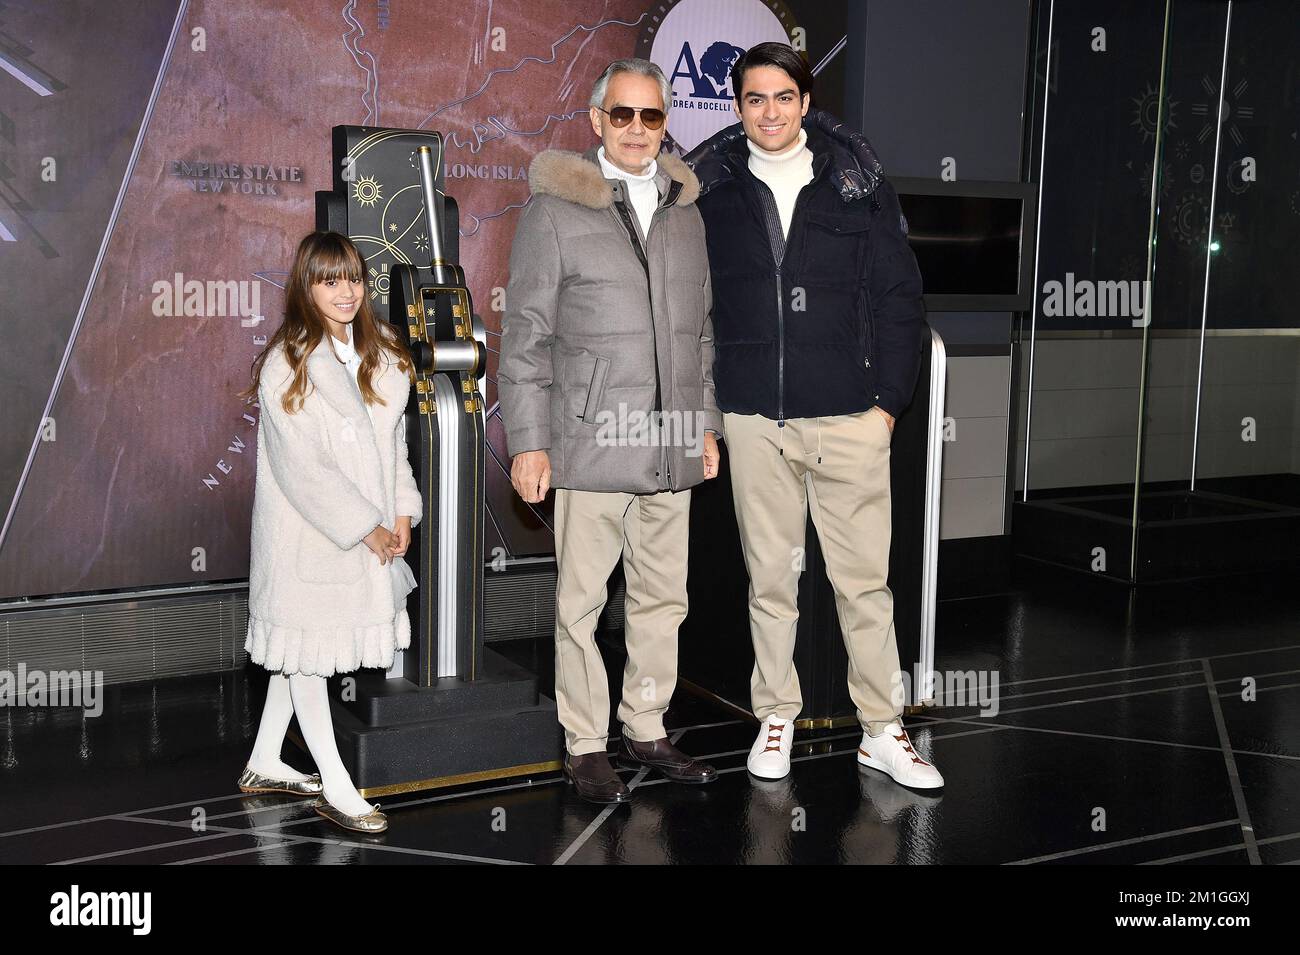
<point x="620" y="116"/>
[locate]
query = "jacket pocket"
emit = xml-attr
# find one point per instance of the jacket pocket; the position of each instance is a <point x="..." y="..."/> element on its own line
<point x="840" y="223"/>
<point x="320" y="561"/>
<point x="833" y="244"/>
<point x="595" y="392"/>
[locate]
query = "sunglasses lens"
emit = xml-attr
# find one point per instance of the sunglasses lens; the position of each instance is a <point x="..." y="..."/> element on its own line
<point x="620" y="116"/>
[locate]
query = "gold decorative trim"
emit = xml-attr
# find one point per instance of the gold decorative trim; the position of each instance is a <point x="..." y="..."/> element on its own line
<point x="824" y="723"/>
<point x="442" y="782"/>
<point x="479" y="502"/>
<point x="734" y="708"/>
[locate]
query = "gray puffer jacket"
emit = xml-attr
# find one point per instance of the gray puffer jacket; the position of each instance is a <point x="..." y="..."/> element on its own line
<point x="604" y="326"/>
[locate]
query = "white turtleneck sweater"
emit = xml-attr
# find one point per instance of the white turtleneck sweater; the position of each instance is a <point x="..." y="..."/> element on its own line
<point x="785" y="173"/>
<point x="641" y="190"/>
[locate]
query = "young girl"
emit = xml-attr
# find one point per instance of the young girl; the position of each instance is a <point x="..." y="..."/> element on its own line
<point x="333" y="508"/>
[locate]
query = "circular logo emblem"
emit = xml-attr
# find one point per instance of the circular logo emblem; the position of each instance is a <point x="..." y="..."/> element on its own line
<point x="695" y="43"/>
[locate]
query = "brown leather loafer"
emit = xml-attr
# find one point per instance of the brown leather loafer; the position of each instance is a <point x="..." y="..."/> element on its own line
<point x="594" y="778"/>
<point x="667" y="758"/>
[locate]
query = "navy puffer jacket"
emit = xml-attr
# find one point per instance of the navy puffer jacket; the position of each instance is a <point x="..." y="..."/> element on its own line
<point x="824" y="321"/>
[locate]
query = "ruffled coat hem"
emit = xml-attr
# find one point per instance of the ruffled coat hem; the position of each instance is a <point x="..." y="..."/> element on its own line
<point x="289" y="650"/>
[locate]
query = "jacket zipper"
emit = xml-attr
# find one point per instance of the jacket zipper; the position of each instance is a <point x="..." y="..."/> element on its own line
<point x="628" y="225"/>
<point x="760" y="188"/>
<point x="871" y="325"/>
<point x="756" y="185"/>
<point x="780" y="310"/>
<point x="780" y="353"/>
<point x="765" y="199"/>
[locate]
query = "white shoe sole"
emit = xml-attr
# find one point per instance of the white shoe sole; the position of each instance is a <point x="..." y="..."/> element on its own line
<point x="767" y="775"/>
<point x="877" y="764"/>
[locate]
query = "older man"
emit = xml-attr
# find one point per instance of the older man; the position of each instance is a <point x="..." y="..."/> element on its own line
<point x="606" y="391"/>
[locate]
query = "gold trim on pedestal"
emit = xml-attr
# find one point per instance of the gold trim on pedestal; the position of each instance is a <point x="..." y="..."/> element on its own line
<point x="734" y="708"/>
<point x="823" y="723"/>
<point x="442" y="782"/>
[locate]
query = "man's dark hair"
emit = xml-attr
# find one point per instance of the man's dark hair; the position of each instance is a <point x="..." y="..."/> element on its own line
<point x="779" y="55"/>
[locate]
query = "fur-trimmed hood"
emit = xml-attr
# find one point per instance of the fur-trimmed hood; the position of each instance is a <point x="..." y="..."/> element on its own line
<point x="577" y="177"/>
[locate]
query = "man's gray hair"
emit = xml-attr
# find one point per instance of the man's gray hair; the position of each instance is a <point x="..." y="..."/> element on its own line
<point x="632" y="65"/>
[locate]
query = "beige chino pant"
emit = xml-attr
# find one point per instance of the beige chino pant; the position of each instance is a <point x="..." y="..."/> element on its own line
<point x="593" y="529"/>
<point x="839" y="468"/>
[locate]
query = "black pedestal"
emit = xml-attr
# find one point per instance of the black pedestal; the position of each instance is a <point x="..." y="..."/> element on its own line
<point x="396" y="737"/>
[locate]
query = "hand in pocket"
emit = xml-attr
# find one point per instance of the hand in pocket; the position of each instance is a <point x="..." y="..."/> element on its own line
<point x="889" y="419"/>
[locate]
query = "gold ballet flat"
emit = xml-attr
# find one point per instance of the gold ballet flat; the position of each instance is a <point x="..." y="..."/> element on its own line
<point x="251" y="782"/>
<point x="373" y="821"/>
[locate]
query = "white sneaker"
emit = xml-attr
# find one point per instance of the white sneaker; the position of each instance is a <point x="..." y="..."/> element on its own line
<point x="769" y="757"/>
<point x="891" y="752"/>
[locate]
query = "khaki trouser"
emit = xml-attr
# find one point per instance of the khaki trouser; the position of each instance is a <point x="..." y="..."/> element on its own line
<point x="651" y="533"/>
<point x="838" y="467"/>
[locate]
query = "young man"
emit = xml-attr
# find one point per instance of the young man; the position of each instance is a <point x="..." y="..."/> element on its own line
<point x="816" y="316"/>
<point x="606" y="392"/>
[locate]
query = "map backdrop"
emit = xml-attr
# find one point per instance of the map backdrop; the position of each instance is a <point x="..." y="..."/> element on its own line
<point x="158" y="165"/>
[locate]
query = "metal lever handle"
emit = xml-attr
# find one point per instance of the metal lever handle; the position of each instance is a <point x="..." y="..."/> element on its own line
<point x="432" y="219"/>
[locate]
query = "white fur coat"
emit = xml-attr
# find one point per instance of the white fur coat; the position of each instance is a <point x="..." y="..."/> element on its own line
<point x="319" y="602"/>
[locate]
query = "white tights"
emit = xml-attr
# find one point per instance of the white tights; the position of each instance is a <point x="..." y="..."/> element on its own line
<point x="307" y="698"/>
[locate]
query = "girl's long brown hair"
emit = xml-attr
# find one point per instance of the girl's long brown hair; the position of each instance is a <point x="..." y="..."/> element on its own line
<point x="323" y="256"/>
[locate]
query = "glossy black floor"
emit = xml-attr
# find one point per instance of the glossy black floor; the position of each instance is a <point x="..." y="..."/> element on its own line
<point x="1122" y="737"/>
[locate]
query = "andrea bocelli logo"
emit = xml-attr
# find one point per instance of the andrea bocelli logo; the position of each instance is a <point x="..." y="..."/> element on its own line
<point x="695" y="45"/>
